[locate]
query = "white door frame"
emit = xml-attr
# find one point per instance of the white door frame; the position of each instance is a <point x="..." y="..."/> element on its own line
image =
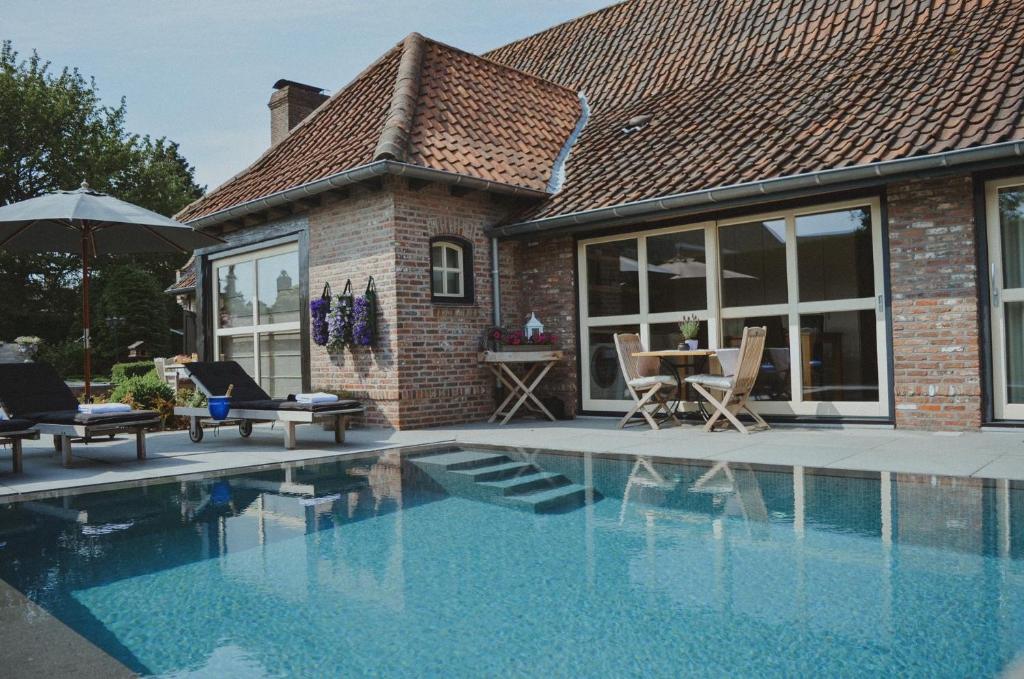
<point x="714" y="313"/>
<point x="999" y="296"/>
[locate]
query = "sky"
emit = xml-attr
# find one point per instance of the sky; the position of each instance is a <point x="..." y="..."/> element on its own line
<point x="201" y="72"/>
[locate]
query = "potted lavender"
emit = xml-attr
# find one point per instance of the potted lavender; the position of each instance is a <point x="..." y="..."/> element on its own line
<point x="689" y="328"/>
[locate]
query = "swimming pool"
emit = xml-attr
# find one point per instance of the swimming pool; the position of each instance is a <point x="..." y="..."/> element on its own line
<point x="488" y="562"/>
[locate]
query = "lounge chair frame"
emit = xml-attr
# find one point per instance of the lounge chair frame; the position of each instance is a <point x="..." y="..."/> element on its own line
<point x="15" y="438"/>
<point x="653" y="400"/>
<point x="733" y="400"/>
<point x="63" y="433"/>
<point x="199" y="418"/>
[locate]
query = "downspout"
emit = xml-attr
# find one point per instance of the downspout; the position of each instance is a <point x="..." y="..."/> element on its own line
<point x="495" y="282"/>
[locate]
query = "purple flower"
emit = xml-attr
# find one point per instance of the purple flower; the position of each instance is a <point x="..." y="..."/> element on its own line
<point x="339" y="323"/>
<point x="318" y="310"/>
<point x="362" y="330"/>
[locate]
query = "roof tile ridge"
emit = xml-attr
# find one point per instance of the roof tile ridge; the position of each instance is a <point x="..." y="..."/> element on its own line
<point x="394" y="136"/>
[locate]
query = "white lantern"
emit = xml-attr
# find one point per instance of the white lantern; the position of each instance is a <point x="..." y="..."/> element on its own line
<point x="533" y="326"/>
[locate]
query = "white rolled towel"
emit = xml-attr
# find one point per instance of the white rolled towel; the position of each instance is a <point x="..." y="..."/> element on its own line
<point x="104" y="408"/>
<point x="316" y="397"/>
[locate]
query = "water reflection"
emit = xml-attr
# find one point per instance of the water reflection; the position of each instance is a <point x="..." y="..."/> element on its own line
<point x="700" y="557"/>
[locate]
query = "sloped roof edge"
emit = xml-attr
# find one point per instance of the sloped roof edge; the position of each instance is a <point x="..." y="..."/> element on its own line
<point x="355" y="176"/>
<point x="722" y="195"/>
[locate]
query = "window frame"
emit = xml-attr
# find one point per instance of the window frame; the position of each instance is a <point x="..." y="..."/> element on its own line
<point x="716" y="313"/>
<point x="256" y="330"/>
<point x="465" y="269"/>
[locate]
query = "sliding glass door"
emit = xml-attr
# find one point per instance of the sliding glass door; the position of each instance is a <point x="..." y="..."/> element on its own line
<point x="1005" y="210"/>
<point x="813" y="277"/>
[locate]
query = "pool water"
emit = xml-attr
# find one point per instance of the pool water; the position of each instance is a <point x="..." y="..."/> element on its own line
<point x="371" y="566"/>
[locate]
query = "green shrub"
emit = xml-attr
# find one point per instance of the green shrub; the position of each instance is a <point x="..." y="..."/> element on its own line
<point x="146" y="392"/>
<point x="190" y="398"/>
<point x="123" y="371"/>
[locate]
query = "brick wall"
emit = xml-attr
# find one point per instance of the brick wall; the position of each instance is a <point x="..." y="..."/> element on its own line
<point x="936" y="341"/>
<point x="544" y="283"/>
<point x="441" y="380"/>
<point x="353" y="239"/>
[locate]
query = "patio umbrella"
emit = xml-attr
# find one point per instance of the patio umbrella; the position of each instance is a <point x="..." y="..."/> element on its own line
<point x="90" y="223"/>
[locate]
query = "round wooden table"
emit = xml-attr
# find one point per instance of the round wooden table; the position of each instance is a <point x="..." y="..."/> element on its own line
<point x="677" y="361"/>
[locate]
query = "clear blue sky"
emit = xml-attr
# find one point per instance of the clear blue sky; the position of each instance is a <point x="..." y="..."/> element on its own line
<point x="200" y="72"/>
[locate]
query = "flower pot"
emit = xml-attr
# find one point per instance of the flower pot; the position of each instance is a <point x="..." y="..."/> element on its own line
<point x="523" y="347"/>
<point x="691" y="344"/>
<point x="219" y="407"/>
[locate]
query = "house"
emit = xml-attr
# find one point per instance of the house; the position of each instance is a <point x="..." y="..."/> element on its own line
<point x="849" y="175"/>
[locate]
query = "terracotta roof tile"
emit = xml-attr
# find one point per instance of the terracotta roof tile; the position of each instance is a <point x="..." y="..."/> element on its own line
<point x="739" y="91"/>
<point x="755" y="89"/>
<point x="424" y="103"/>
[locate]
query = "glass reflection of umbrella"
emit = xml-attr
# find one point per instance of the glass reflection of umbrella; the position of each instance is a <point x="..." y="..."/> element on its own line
<point x="677" y="268"/>
<point x="90" y="223"/>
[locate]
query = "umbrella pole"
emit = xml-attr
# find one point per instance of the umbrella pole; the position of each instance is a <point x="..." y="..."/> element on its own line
<point x="85" y="314"/>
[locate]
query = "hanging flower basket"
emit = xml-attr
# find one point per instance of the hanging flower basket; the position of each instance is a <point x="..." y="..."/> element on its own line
<point x="339" y="320"/>
<point x="364" y="316"/>
<point x="318" y="310"/>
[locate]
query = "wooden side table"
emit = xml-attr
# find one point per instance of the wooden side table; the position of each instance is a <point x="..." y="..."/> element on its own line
<point x="534" y="365"/>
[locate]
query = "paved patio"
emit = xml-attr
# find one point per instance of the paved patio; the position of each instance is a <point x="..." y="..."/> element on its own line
<point x="987" y="455"/>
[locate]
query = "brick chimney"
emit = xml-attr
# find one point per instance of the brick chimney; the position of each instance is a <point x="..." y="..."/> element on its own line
<point x="289" y="105"/>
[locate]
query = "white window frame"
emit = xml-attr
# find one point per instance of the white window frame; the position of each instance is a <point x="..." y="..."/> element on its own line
<point x="255" y="329"/>
<point x="444" y="269"/>
<point x="714" y="314"/>
<point x="999" y="295"/>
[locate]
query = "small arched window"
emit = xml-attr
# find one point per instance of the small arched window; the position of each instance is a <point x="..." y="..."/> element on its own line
<point x="451" y="270"/>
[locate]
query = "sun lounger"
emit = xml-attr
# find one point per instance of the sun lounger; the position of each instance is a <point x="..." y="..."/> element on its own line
<point x="14" y="432"/>
<point x="249" y="403"/>
<point x="35" y="392"/>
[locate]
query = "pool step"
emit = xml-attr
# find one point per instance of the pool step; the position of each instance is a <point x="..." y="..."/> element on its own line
<point x="493" y="477"/>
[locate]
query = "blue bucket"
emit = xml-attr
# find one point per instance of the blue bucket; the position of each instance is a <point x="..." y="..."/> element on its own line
<point x="219" y="407"/>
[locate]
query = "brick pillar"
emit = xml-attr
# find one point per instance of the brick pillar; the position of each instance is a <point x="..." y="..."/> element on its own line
<point x="936" y="341"/>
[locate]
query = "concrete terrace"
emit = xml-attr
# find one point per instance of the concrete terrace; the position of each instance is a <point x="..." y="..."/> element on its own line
<point x="991" y="454"/>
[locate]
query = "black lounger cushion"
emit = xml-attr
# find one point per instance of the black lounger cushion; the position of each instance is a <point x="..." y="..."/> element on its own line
<point x="216" y="376"/>
<point x="91" y="419"/>
<point x="10" y="426"/>
<point x="32" y="388"/>
<point x="282" y="404"/>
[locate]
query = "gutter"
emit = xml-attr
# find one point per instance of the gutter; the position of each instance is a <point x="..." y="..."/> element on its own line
<point x="723" y="196"/>
<point x="359" y="174"/>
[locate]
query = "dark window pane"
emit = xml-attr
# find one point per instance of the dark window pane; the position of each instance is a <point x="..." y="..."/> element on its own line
<point x="1011" y="225"/>
<point x="612" y="279"/>
<point x="667" y="336"/>
<point x="437" y="255"/>
<point x="834" y="255"/>
<point x="278" y="278"/>
<point x="606" y="380"/>
<point x="677" y="272"/>
<point x="753" y="260"/>
<point x="840" y="356"/>
<point x="235" y="287"/>
<point x="437" y="282"/>
<point x="773" y="382"/>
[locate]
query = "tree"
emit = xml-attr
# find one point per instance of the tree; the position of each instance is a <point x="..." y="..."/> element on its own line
<point x="127" y="293"/>
<point x="55" y="132"/>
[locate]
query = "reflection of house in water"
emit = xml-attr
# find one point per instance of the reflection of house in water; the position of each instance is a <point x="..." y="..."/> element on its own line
<point x="939" y="511"/>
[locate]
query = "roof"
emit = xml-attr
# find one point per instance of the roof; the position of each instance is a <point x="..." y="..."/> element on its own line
<point x="425" y="104"/>
<point x="736" y="91"/>
<point x="747" y="90"/>
<point x="186" y="279"/>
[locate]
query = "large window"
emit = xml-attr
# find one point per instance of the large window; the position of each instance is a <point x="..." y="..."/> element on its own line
<point x="257" y="302"/>
<point x="812" y="277"/>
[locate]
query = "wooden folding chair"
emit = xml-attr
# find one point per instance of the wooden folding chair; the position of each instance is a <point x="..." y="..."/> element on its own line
<point x="648" y="389"/>
<point x="735" y="389"/>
